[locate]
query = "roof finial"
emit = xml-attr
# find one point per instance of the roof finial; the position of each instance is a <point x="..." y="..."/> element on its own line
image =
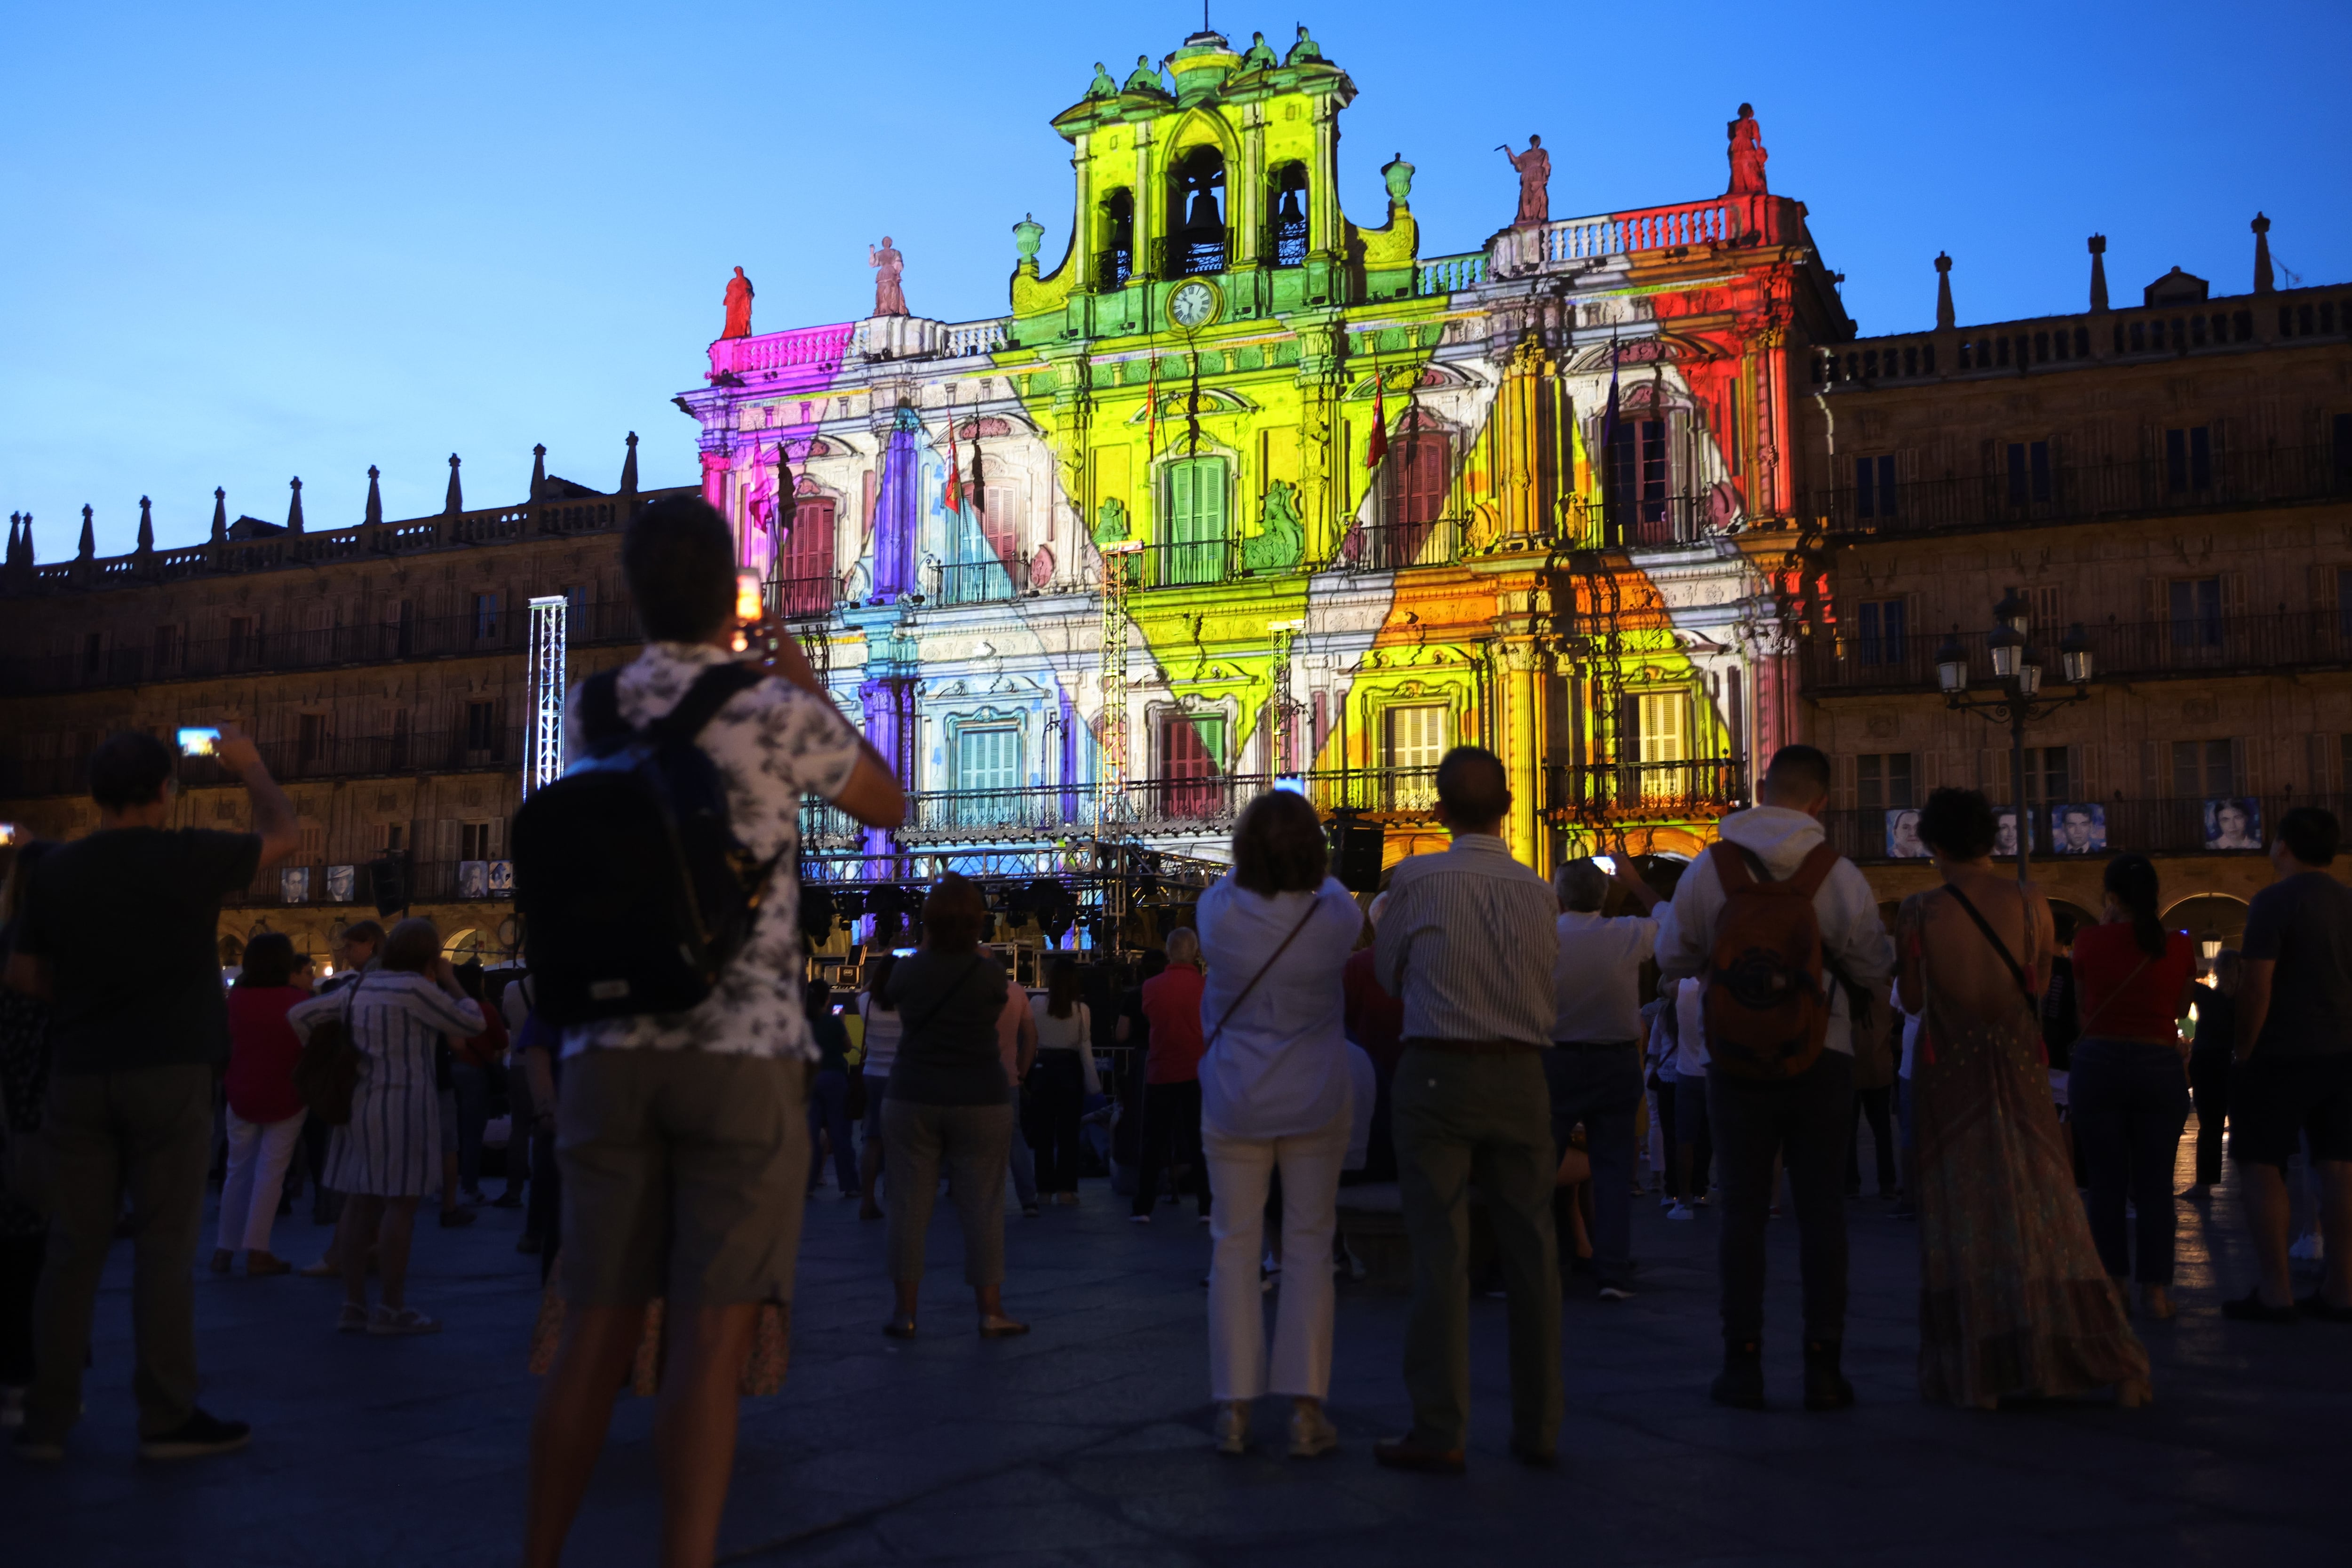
<point x="146" y="527"/>
<point x="537" y="471"/>
<point x="294" y="508"/>
<point x="374" y="514"/>
<point x="1944" y="317"/>
<point x="88" y="551"/>
<point x="629" y="468"/>
<point x="2098" y="272"/>
<point x="220" y="515"/>
<point x="2263" y="282"/>
<point x="456" y="501"/>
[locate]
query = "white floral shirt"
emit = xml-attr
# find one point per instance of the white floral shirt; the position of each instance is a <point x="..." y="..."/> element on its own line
<point x="771" y="743"/>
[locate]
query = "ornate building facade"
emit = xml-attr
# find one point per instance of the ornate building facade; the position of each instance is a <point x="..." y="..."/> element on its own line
<point x="1244" y="492"/>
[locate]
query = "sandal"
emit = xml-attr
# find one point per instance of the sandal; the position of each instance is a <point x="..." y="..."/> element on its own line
<point x="352" y="1319"/>
<point x="899" y="1328"/>
<point x="1001" y="1328"/>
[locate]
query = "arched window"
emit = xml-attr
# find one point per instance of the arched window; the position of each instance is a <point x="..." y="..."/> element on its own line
<point x="1193" y="537"/>
<point x="1417" y="475"/>
<point x="1115" y="262"/>
<point x="1196" y="214"/>
<point x="1285" y="242"/>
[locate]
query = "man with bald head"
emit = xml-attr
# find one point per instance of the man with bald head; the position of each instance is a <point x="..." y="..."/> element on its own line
<point x="1466" y="944"/>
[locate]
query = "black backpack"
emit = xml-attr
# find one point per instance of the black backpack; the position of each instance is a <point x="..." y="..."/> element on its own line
<point x="632" y="886"/>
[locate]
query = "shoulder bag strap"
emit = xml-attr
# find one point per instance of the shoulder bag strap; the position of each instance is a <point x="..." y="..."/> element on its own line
<point x="702" y="701"/>
<point x="1234" y="1005"/>
<point x="600" y="709"/>
<point x="2084" y="1028"/>
<point x="2024" y="982"/>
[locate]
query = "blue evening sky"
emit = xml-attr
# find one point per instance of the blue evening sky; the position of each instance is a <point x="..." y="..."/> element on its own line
<point x="249" y="241"/>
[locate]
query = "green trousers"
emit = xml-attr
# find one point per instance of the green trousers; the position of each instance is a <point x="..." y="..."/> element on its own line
<point x="147" y="1132"/>
<point x="1486" y="1120"/>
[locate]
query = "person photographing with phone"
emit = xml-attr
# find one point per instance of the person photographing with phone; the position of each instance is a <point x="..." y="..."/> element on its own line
<point x="139" y="1027"/>
<point x="660" y="908"/>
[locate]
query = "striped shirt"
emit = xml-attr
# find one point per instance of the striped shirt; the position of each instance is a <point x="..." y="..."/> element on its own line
<point x="1467" y="944"/>
<point x="392" y="1147"/>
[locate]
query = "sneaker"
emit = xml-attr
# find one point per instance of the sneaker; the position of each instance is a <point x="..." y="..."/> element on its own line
<point x="1311" y="1432"/>
<point x="452" y="1218"/>
<point x="472" y="1196"/>
<point x="1232" y="1427"/>
<point x="2308" y="1249"/>
<point x="510" y="1199"/>
<point x="1028" y="1210"/>
<point x="1682" y="1211"/>
<point x="1668" y="1200"/>
<point x="1616" y="1293"/>
<point x="196" y="1436"/>
<point x="351" y="1317"/>
<point x="388" y="1320"/>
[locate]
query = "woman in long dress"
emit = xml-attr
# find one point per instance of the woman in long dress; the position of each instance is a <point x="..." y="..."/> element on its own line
<point x="388" y="1156"/>
<point x="2013" y="1300"/>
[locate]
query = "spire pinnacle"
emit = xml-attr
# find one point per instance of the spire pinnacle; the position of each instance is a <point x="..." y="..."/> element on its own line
<point x="456" y="501"/>
<point x="2263" y="282"/>
<point x="1944" y="317"/>
<point x="537" y="471"/>
<point x="88" y="551"/>
<point x="629" y="468"/>
<point x="374" y="515"/>
<point x="2098" y="272"/>
<point x="294" y="509"/>
<point x="220" y="515"/>
<point x="146" y="526"/>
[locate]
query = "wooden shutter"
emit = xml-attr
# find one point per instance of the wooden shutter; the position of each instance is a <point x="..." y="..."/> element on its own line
<point x="2243" y="759"/>
<point x="2154" y="781"/>
<point x="1842" y="780"/>
<point x="2317" y="748"/>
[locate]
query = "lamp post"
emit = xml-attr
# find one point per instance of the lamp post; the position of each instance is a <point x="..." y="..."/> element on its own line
<point x="2018" y="700"/>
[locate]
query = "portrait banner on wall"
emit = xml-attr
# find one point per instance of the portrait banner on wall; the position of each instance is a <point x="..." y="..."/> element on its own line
<point x="1903" y="834"/>
<point x="473" y="878"/>
<point x="294" y="884"/>
<point x="2235" y="822"/>
<point x="502" y="879"/>
<point x="2079" y="828"/>
<point x="342" y="883"/>
<point x="2004" y="833"/>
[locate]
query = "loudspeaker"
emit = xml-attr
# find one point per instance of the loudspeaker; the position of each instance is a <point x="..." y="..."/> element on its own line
<point x="388" y="883"/>
<point x="1357" y="850"/>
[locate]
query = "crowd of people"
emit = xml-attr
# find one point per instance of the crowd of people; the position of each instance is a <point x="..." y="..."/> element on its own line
<point x="1488" y="1037"/>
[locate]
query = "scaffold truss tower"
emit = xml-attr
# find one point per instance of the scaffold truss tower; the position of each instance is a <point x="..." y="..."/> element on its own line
<point x="544" y="757"/>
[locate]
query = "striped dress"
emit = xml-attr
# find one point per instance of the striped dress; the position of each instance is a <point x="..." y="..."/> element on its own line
<point x="391" y="1148"/>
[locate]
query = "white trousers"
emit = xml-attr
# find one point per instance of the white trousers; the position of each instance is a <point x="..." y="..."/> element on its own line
<point x="258" y="1154"/>
<point x="1240" y="1170"/>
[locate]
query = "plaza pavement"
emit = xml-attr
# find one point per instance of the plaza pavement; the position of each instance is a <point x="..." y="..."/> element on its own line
<point x="1087" y="1441"/>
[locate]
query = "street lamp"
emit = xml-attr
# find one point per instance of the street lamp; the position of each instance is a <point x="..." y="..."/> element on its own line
<point x="2209" y="946"/>
<point x="2018" y="701"/>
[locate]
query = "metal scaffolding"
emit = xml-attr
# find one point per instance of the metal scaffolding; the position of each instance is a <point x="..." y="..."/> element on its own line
<point x="543" y="754"/>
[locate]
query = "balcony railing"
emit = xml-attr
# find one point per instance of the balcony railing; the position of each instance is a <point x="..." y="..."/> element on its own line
<point x="1695" y="787"/>
<point x="799" y="598"/>
<point x="1114" y="267"/>
<point x="2085" y="492"/>
<point x="1394" y="546"/>
<point x="972" y="582"/>
<point x="506" y="630"/>
<point x="2191" y="643"/>
<point x="2149" y="826"/>
<point x="498" y="750"/>
<point x="347" y="883"/>
<point x="1175" y="256"/>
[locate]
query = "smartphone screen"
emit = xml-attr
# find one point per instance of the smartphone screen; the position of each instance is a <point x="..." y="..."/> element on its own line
<point x="1608" y="864"/>
<point x="748" y="606"/>
<point x="7" y="833"/>
<point x="198" y="741"/>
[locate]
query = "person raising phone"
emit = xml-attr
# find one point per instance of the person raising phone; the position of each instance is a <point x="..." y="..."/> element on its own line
<point x="138" y="1028"/>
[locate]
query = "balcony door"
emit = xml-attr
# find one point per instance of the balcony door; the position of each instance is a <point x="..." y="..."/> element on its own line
<point x="1196" y="519"/>
<point x="1192" y="750"/>
<point x="987" y="774"/>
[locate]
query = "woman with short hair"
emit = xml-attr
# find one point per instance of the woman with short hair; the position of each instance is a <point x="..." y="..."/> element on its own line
<point x="2013" y="1300"/>
<point x="947" y="1106"/>
<point x="265" y="1110"/>
<point x="388" y="1156"/>
<point x="1275" y="1095"/>
<point x="2128" y="1087"/>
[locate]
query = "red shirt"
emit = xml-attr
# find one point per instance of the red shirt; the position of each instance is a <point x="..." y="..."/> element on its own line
<point x="2111" y="1002"/>
<point x="1172" y="1000"/>
<point x="1375" y="1019"/>
<point x="262" y="1051"/>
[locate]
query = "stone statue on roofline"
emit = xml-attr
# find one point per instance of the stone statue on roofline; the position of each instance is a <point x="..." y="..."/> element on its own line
<point x="1534" y="167"/>
<point x="1747" y="152"/>
<point x="1102" y="86"/>
<point x="889" y="299"/>
<point x="1306" y="51"/>
<point x="1145" y="78"/>
<point x="738" y="306"/>
<point x="1260" y="55"/>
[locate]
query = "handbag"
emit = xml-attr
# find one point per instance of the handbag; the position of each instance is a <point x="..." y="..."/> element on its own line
<point x="329" y="1070"/>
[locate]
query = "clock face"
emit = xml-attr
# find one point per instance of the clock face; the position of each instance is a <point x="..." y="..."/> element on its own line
<point x="1194" y="305"/>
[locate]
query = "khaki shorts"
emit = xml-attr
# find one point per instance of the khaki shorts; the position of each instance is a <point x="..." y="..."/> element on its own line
<point x="684" y="1176"/>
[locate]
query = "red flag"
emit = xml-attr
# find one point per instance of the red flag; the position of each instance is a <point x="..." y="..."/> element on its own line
<point x="955" y="476"/>
<point x="1377" y="447"/>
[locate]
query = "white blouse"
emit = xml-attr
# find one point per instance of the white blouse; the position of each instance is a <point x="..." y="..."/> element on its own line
<point x="1278" y="1066"/>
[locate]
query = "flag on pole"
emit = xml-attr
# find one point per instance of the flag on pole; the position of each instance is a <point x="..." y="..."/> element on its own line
<point x="955" y="476"/>
<point x="1151" y="404"/>
<point x="1377" y="447"/>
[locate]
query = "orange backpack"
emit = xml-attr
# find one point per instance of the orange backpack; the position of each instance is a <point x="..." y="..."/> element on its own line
<point x="1767" y="1015"/>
